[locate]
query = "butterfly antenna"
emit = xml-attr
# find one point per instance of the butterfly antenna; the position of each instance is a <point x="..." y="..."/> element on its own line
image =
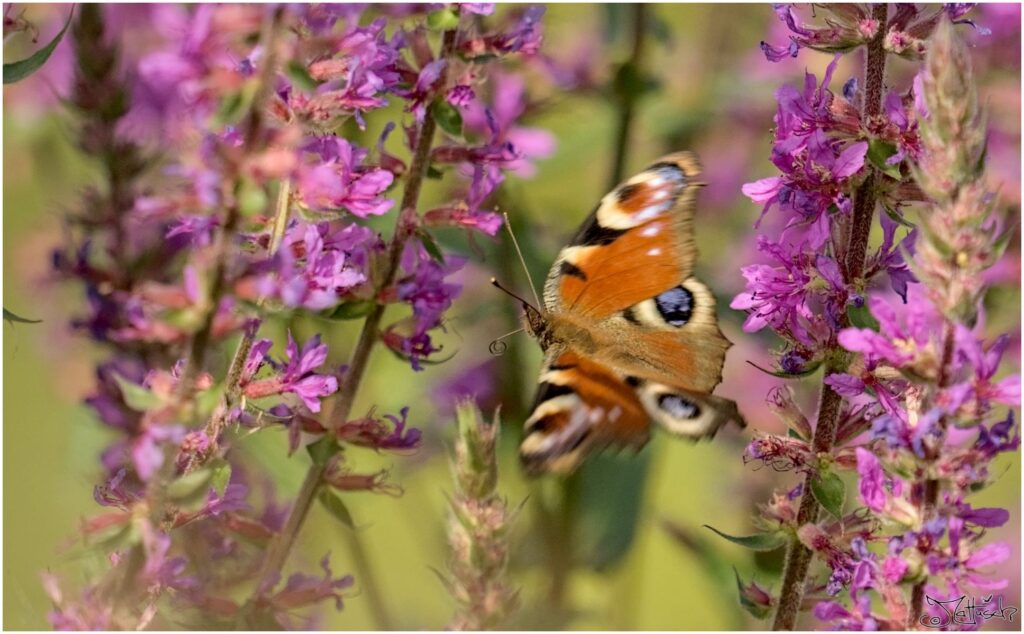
<point x="522" y="260"/>
<point x="497" y="347"/>
<point x="497" y="285"/>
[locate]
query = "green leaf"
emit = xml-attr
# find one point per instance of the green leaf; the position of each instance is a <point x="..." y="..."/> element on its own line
<point x="482" y="58"/>
<point x="879" y="152"/>
<point x="221" y="476"/>
<point x="352" y="310"/>
<point x="336" y="506"/>
<point x="609" y="490"/>
<point x="230" y="109"/>
<point x="760" y="541"/>
<point x="630" y="82"/>
<point x="11" y="318"/>
<point x="447" y="116"/>
<point x="251" y="199"/>
<point x="829" y="491"/>
<point x="615" y="21"/>
<point x="430" y="245"/>
<point x="16" y="71"/>
<point x="322" y="450"/>
<point x="861" y="317"/>
<point x="299" y="74"/>
<point x="659" y="29"/>
<point x="135" y="396"/>
<point x="235" y="105"/>
<point x="121" y="539"/>
<point x="443" y="19"/>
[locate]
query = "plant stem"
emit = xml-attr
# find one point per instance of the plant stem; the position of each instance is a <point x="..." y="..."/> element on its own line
<point x="282" y="210"/>
<point x="798" y="557"/>
<point x="282" y="544"/>
<point x="562" y="554"/>
<point x="625" y="88"/>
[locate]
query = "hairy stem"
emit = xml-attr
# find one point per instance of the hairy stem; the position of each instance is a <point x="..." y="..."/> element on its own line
<point x="281" y="546"/>
<point x="282" y="210"/>
<point x="798" y="556"/>
<point x="222" y="251"/>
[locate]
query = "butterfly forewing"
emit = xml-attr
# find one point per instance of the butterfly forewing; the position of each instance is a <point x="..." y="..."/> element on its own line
<point x="642" y="231"/>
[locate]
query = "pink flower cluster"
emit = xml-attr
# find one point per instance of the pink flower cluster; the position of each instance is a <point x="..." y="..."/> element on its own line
<point x="234" y="198"/>
<point x="914" y="401"/>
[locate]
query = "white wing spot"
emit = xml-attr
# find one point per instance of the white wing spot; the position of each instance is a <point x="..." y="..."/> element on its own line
<point x="651" y="231"/>
<point x="651" y="212"/>
<point x="654" y="252"/>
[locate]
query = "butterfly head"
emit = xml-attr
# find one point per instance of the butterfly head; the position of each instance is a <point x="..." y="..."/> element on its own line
<point x="536" y="321"/>
<point x="538" y="325"/>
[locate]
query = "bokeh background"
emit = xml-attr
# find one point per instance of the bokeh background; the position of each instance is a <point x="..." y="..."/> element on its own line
<point x="642" y="558"/>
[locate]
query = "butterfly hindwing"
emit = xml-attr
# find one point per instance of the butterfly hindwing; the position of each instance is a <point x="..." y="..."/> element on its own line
<point x="687" y="414"/>
<point x="670" y="338"/>
<point x="581" y="406"/>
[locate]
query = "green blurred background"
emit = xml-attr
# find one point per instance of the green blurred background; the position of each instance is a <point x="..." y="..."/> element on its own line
<point x="713" y="94"/>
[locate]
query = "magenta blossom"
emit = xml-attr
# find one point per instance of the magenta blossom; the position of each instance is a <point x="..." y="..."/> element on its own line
<point x="500" y="122"/>
<point x="424" y="287"/>
<point x="295" y="375"/>
<point x="791" y="294"/>
<point x="319" y="265"/>
<point x="337" y="180"/>
<point x="901" y="340"/>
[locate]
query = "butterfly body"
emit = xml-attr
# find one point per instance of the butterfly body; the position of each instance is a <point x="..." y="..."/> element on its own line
<point x="629" y="335"/>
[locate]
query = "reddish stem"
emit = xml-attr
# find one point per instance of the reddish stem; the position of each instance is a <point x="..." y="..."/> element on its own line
<point x="798" y="557"/>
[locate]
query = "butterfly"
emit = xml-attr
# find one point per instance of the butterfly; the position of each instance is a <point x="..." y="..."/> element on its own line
<point x="629" y="335"/>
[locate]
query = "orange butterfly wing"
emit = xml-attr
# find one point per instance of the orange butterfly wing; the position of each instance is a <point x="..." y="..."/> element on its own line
<point x="581" y="406"/>
<point x="635" y="245"/>
<point x="635" y="335"/>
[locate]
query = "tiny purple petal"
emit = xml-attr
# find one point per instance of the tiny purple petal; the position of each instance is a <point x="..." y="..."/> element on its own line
<point x="872" y="480"/>
<point x="989" y="555"/>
